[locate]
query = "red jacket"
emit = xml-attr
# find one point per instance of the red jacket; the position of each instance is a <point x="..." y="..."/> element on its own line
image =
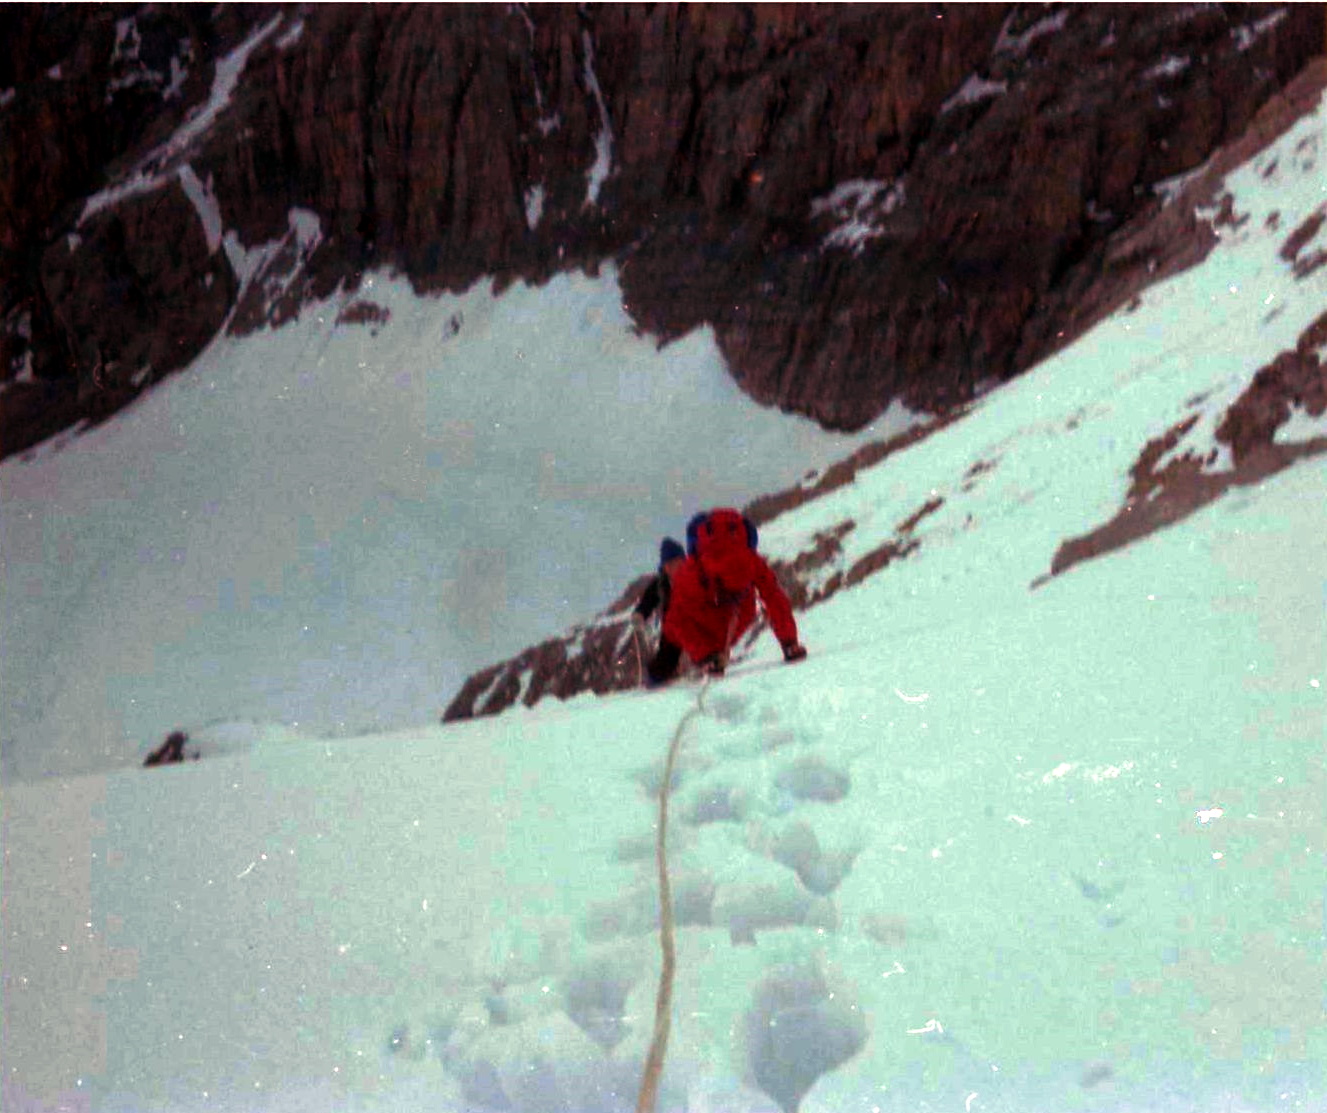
<point x="709" y="610"/>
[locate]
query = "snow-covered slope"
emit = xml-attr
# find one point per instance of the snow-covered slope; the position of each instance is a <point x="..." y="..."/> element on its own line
<point x="993" y="846"/>
<point x="330" y="524"/>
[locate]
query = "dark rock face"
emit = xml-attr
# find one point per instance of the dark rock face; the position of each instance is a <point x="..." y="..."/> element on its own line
<point x="127" y="305"/>
<point x="93" y="313"/>
<point x="999" y="180"/>
<point x="129" y="300"/>
<point x="870" y="201"/>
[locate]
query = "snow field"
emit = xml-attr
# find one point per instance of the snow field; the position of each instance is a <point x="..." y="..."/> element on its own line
<point x="969" y="860"/>
<point x="328" y="526"/>
<point x="987" y="848"/>
<point x="1146" y="717"/>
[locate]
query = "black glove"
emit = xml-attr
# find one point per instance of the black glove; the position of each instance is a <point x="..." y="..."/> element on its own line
<point x="715" y="664"/>
<point x="793" y="651"/>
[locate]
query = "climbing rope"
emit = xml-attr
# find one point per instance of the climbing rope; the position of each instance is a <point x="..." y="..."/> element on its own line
<point x="663" y="1001"/>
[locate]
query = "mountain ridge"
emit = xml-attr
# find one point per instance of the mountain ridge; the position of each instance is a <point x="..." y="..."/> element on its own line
<point x="963" y="167"/>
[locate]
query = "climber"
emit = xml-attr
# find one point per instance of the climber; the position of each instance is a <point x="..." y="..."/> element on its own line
<point x="655" y="596"/>
<point x="712" y="597"/>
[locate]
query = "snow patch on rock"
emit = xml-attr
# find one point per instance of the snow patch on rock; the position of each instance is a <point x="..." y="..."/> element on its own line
<point x="154" y="171"/>
<point x="179" y="70"/>
<point x="292" y="36"/>
<point x="976" y="88"/>
<point x="858" y="206"/>
<point x="603" y="140"/>
<point x="1169" y="66"/>
<point x="1170" y="188"/>
<point x="205" y="201"/>
<point x="1300" y="427"/>
<point x="1018" y="44"/>
<point x="1247" y="34"/>
<point x="534" y="206"/>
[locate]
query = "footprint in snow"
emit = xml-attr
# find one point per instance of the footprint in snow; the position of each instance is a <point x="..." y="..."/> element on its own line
<point x="819" y="871"/>
<point x="798" y="1028"/>
<point x="717" y="804"/>
<point x="812" y="778"/>
<point x="728" y="707"/>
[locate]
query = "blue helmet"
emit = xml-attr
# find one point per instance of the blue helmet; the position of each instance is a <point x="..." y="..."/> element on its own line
<point x="669" y="550"/>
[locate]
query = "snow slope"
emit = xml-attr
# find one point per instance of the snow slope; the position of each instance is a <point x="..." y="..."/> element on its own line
<point x="991" y="847"/>
<point x="330" y="525"/>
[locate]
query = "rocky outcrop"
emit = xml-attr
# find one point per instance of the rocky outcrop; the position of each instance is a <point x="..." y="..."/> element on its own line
<point x="960" y="238"/>
<point x="170" y="295"/>
<point x="93" y="311"/>
<point x="1295" y="380"/>
<point x="171" y="751"/>
<point x="1174" y="232"/>
<point x="1166" y="486"/>
<point x="870" y="201"/>
<point x="127" y="307"/>
<point x="607" y="656"/>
